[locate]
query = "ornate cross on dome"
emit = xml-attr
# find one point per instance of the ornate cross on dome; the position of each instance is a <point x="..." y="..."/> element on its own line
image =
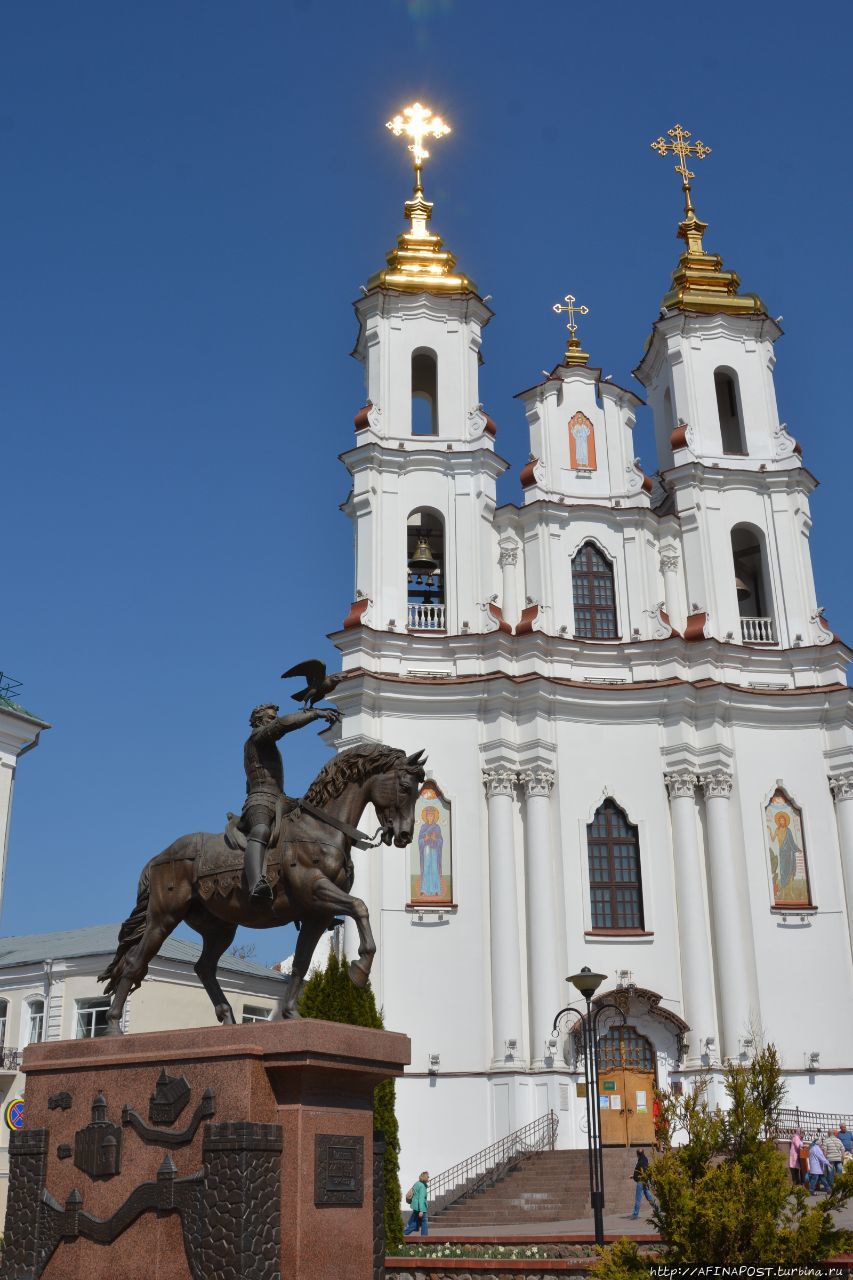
<point x="417" y="122"/>
<point x="684" y="150"/>
<point x="574" y="354"/>
<point x="571" y="310"/>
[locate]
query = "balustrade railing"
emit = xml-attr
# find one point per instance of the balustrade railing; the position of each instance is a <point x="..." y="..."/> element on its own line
<point x="757" y="631"/>
<point x="489" y="1165"/>
<point x="427" y="617"/>
<point x="811" y="1124"/>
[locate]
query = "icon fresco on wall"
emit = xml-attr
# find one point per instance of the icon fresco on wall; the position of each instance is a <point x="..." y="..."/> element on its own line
<point x="431" y="878"/>
<point x="787" y="847"/>
<point x="581" y="443"/>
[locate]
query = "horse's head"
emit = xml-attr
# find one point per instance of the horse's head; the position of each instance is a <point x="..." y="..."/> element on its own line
<point x="394" y="794"/>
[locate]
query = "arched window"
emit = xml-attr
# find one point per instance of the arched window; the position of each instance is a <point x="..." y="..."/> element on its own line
<point x="615" y="888"/>
<point x="424" y="393"/>
<point x="35" y="1021"/>
<point x="622" y="1048"/>
<point x="594" y="594"/>
<point x="728" y="410"/>
<point x="426" y="606"/>
<point x="753" y="598"/>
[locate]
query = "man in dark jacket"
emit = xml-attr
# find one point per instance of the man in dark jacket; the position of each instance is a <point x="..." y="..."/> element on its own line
<point x="639" y="1175"/>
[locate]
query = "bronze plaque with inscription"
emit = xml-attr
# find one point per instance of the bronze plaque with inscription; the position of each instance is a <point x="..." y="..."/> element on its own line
<point x="338" y="1170"/>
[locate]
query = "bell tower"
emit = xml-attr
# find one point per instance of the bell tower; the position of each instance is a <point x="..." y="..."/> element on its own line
<point x="423" y="466"/>
<point x="733" y="470"/>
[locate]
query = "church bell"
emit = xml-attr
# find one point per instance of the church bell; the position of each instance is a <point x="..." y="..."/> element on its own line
<point x="423" y="562"/>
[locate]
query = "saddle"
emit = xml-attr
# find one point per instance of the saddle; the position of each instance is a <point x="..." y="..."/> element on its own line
<point x="219" y="861"/>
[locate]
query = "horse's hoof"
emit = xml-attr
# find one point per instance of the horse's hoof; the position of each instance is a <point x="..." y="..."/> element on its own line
<point x="226" y="1017"/>
<point x="359" y="974"/>
<point x="290" y="1015"/>
<point x="113" y="1029"/>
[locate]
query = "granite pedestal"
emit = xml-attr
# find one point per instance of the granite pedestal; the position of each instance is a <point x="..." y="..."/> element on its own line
<point x="220" y="1153"/>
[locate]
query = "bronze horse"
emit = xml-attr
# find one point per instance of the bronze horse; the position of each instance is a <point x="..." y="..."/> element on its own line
<point x="314" y="880"/>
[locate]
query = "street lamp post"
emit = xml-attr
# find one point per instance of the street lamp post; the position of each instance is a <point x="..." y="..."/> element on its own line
<point x="587" y="983"/>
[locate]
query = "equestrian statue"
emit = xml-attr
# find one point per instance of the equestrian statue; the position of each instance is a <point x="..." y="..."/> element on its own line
<point x="281" y="861"/>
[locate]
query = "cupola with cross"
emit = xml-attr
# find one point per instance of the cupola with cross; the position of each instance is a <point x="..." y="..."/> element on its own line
<point x="733" y="472"/>
<point x="581" y="431"/>
<point x="424" y="465"/>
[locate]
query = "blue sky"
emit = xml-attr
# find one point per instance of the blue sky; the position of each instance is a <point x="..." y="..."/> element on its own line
<point x="192" y="194"/>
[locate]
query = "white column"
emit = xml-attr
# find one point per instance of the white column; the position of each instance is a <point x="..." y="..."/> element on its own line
<point x="697" y="974"/>
<point x="508" y="561"/>
<point x="730" y="919"/>
<point x="544" y="968"/>
<point x="841" y="785"/>
<point x="669" y="569"/>
<point x="503" y="913"/>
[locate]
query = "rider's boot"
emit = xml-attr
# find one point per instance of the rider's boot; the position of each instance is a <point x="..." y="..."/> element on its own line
<point x="259" y="886"/>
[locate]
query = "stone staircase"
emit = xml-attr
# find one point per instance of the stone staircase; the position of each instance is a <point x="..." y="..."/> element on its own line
<point x="547" y="1186"/>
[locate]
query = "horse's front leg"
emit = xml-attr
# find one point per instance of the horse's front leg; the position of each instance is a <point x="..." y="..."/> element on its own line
<point x="328" y="895"/>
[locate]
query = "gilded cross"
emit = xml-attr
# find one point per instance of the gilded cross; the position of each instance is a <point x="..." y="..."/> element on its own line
<point x="572" y="311"/>
<point x="684" y="149"/>
<point x="418" y="122"/>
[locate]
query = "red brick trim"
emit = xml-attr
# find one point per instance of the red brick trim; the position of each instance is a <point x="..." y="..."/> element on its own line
<point x="678" y="439"/>
<point x="361" y="418"/>
<point x="490" y="429"/>
<point x="497" y="613"/>
<point x="695" y="629"/>
<point x="647" y="483"/>
<point x="357" y="611"/>
<point x="618" y="933"/>
<point x="525" y="623"/>
<point x="527" y="477"/>
<point x="664" y="617"/>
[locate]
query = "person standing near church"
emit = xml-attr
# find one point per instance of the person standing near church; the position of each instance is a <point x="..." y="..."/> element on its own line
<point x="641" y="1169"/>
<point x="794" y="1157"/>
<point x="418" y="1217"/>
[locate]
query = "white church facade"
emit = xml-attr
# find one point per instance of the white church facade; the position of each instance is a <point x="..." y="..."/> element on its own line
<point x="639" y="729"/>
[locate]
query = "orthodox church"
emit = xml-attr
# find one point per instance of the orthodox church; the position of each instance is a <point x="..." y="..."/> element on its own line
<point x="639" y="729"/>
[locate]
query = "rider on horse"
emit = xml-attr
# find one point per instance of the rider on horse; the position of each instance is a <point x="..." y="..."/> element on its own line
<point x="265" y="784"/>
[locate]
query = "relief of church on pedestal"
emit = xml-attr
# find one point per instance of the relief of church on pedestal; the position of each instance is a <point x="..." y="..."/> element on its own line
<point x="430" y="866"/>
<point x="786" y="845"/>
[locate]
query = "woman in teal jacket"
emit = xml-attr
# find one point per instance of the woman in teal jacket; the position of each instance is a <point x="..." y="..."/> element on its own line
<point x="418" y="1217"/>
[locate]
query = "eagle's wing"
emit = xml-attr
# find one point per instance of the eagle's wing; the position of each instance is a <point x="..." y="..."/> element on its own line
<point x="303" y="695"/>
<point x="314" y="671"/>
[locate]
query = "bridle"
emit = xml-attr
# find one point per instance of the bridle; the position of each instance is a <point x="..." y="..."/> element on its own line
<point x="360" y="839"/>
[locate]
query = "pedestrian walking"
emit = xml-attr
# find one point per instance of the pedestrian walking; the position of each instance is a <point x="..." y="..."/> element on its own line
<point x="833" y="1149"/>
<point x="639" y="1175"/>
<point x="417" y="1198"/>
<point x="794" y="1157"/>
<point x="846" y="1139"/>
<point x="820" y="1170"/>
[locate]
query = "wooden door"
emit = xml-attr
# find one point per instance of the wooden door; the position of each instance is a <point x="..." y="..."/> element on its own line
<point x="611" y="1090"/>
<point x="626" y="1078"/>
<point x="639" y="1116"/>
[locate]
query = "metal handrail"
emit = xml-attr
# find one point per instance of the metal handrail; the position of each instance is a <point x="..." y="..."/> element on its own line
<point x="810" y="1123"/>
<point x="469" y="1176"/>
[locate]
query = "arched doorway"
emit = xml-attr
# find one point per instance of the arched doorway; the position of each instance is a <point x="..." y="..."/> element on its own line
<point x="626" y="1082"/>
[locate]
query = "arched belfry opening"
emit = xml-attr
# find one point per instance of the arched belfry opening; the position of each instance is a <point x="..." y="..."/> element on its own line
<point x="426" y="600"/>
<point x="729" y="411"/>
<point x="749" y="559"/>
<point x="424" y="393"/>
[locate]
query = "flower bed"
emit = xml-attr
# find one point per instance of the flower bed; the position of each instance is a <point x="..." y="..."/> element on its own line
<point x="513" y="1261"/>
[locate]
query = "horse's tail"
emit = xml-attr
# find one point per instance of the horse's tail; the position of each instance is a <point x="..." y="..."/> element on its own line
<point x="128" y="935"/>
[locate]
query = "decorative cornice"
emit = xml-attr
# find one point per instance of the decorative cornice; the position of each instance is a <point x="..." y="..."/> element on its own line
<point x="680" y="783"/>
<point x="499" y="781"/>
<point x="841" y="786"/>
<point x="717" y="784"/>
<point x="537" y="782"/>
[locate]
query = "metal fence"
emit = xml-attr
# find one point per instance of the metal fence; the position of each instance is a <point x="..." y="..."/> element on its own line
<point x="810" y="1123"/>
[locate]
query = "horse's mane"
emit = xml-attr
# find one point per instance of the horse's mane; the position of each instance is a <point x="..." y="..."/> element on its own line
<point x="353" y="765"/>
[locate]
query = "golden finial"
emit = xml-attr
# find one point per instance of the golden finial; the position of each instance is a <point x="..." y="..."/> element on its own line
<point x="420" y="262"/>
<point x="417" y="122"/>
<point x="699" y="281"/>
<point x="684" y="150"/>
<point x="574" y="354"/>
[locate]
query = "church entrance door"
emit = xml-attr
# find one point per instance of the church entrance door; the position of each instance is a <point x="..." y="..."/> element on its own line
<point x="626" y="1078"/>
